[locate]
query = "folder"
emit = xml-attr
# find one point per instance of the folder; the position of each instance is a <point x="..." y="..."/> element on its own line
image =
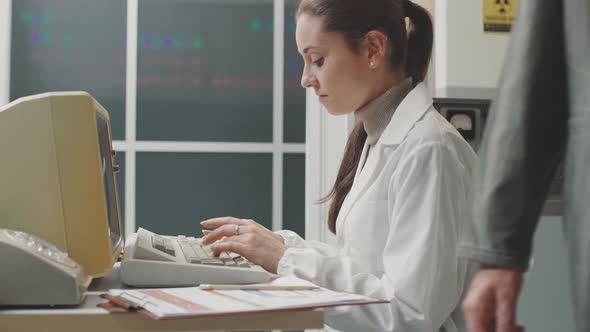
<point x="170" y="303"/>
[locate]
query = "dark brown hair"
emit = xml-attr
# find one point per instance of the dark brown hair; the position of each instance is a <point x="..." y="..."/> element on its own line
<point x="410" y="50"/>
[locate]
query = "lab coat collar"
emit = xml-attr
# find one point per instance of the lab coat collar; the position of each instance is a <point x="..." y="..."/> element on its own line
<point x="411" y="109"/>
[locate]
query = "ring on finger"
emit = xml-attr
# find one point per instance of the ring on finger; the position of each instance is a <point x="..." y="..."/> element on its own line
<point x="237" y="229"/>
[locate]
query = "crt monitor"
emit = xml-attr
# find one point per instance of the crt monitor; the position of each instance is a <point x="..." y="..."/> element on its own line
<point x="57" y="177"/>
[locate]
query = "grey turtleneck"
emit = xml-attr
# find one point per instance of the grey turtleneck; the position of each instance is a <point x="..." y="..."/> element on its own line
<point x="377" y="114"/>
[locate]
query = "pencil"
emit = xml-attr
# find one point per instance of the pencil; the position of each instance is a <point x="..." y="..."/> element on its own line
<point x="256" y="287"/>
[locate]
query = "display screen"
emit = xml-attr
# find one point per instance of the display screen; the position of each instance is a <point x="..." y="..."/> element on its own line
<point x="109" y="180"/>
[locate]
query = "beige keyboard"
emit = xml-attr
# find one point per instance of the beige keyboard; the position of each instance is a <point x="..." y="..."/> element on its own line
<point x="153" y="260"/>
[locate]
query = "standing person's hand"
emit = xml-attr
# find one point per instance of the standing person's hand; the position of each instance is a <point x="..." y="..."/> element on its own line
<point x="490" y="305"/>
<point x="246" y="238"/>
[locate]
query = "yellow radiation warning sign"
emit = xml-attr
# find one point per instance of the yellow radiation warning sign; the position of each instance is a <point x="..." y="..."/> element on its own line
<point x="498" y="15"/>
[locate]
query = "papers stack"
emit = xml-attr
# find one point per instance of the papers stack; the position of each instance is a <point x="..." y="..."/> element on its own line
<point x="281" y="294"/>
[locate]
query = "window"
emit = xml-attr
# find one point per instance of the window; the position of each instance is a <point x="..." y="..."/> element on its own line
<point x="68" y="45"/>
<point x="207" y="68"/>
<point x="207" y="112"/>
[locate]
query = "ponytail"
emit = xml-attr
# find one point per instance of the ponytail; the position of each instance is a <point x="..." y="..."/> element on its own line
<point x="346" y="172"/>
<point x="420" y="38"/>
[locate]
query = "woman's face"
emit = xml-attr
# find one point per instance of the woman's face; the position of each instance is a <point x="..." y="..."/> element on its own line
<point x="340" y="77"/>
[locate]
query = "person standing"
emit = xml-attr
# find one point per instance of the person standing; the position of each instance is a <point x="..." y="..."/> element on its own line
<point x="540" y="115"/>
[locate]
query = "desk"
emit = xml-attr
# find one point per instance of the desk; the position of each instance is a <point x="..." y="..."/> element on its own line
<point x="88" y="318"/>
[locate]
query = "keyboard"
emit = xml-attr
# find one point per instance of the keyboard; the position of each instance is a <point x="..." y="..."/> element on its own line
<point x="153" y="260"/>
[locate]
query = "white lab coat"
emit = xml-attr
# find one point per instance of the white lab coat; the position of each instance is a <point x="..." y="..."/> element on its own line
<point x="398" y="228"/>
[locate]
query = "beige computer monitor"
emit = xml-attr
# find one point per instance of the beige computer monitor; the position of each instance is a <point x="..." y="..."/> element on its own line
<point x="57" y="179"/>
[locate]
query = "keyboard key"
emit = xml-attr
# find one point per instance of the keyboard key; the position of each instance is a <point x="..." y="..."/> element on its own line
<point x="241" y="262"/>
<point x="230" y="262"/>
<point x="187" y="250"/>
<point x="225" y="255"/>
<point x="212" y="262"/>
<point x="158" y="243"/>
<point x="233" y="254"/>
<point x="200" y="252"/>
<point x="195" y="241"/>
<point x="194" y="260"/>
<point x="207" y="250"/>
<point x="169" y="247"/>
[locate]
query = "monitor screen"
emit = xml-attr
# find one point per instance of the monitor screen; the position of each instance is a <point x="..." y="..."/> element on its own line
<point x="108" y="175"/>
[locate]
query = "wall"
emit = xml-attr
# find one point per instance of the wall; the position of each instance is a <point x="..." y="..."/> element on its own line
<point x="545" y="302"/>
<point x="4" y="49"/>
<point x="464" y="54"/>
<point x="325" y="136"/>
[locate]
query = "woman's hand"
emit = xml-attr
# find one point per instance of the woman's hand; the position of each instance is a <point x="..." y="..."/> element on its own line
<point x="246" y="238"/>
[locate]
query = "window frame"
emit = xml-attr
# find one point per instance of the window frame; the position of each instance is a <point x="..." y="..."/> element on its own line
<point x="131" y="146"/>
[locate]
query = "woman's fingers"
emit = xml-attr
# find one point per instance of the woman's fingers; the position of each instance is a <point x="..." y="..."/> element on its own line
<point x="225" y="230"/>
<point x="217" y="222"/>
<point x="235" y="245"/>
<point x="225" y="226"/>
<point x="255" y="246"/>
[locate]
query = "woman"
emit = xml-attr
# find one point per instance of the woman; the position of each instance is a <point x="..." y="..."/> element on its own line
<point x="401" y="196"/>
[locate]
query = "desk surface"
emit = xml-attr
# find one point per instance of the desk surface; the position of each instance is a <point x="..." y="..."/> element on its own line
<point x="88" y="317"/>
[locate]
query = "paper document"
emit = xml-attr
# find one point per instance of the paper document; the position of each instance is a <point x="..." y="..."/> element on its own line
<point x="165" y="303"/>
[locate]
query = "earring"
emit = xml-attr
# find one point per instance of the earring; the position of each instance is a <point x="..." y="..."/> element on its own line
<point x="372" y="64"/>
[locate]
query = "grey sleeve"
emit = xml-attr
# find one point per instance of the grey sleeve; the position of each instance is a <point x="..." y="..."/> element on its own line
<point x="524" y="139"/>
